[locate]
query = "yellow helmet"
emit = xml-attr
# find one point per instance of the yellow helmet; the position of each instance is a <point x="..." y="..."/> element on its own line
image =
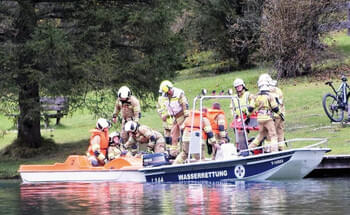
<point x="165" y="86"/>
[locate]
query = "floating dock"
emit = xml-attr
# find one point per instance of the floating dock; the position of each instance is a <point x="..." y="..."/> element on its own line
<point x="332" y="166"/>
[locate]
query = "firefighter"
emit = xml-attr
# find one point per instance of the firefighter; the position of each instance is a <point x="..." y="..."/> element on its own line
<point x="177" y="106"/>
<point x="279" y="122"/>
<point x="218" y="124"/>
<point x="165" y="116"/>
<point x="130" y="109"/>
<point x="99" y="140"/>
<point x="207" y="134"/>
<point x="143" y="138"/>
<point x="114" y="149"/>
<point x="245" y="98"/>
<point x="266" y="105"/>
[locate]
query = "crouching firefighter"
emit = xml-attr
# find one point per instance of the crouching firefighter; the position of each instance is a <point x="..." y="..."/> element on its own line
<point x="143" y="138"/>
<point x="207" y="133"/>
<point x="99" y="141"/>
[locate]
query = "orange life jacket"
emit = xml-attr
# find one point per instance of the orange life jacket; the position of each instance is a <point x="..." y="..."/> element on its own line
<point x="104" y="141"/>
<point x="211" y="115"/>
<point x="196" y="124"/>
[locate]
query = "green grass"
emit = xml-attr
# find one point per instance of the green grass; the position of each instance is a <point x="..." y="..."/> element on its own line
<point x="342" y="42"/>
<point x="303" y="96"/>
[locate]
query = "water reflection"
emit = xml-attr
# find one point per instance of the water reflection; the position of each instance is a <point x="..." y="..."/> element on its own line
<point x="283" y="197"/>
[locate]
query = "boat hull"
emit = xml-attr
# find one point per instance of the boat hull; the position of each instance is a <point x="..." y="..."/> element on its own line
<point x="78" y="169"/>
<point x="83" y="176"/>
<point x="289" y="164"/>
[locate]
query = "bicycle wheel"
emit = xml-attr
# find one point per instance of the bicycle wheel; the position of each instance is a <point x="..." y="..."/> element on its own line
<point x="332" y="109"/>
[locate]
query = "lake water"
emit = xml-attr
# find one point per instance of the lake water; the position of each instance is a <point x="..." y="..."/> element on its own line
<point x="307" y="196"/>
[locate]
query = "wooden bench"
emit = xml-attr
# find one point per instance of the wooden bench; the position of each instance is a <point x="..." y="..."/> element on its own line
<point x="56" y="107"/>
<point x="53" y="108"/>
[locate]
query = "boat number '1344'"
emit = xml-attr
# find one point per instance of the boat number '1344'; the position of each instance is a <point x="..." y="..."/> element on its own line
<point x="276" y="162"/>
<point x="157" y="179"/>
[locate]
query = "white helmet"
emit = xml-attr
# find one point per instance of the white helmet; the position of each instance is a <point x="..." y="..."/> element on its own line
<point x="165" y="86"/>
<point x="237" y="82"/>
<point x="102" y="124"/>
<point x="124" y="92"/>
<point x="265" y="77"/>
<point x="113" y="135"/>
<point x="263" y="85"/>
<point x="130" y="126"/>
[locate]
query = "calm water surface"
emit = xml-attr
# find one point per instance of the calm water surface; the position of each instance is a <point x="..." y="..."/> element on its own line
<point x="307" y="196"/>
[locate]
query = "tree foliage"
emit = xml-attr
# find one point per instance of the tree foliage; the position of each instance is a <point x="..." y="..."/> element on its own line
<point x="79" y="48"/>
<point x="292" y="32"/>
<point x="230" y="28"/>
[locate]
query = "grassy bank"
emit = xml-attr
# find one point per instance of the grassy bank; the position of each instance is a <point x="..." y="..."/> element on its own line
<point x="303" y="98"/>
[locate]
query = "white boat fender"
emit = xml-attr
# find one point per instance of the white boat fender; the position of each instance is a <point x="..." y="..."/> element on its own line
<point x="226" y="151"/>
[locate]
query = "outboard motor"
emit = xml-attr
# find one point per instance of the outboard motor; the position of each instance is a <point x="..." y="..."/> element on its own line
<point x="155" y="159"/>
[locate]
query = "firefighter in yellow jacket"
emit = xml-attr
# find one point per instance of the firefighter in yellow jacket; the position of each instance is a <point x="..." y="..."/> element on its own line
<point x="167" y="120"/>
<point x="207" y="134"/>
<point x="245" y="98"/>
<point x="177" y="107"/>
<point x="266" y="105"/>
<point x="115" y="149"/>
<point x="129" y="107"/>
<point x="143" y="138"/>
<point x="278" y="95"/>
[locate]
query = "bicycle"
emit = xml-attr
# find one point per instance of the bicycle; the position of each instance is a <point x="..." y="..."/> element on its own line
<point x="335" y="105"/>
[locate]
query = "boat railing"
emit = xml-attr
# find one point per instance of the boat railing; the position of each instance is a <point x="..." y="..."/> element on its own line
<point x="198" y="140"/>
<point x="320" y="143"/>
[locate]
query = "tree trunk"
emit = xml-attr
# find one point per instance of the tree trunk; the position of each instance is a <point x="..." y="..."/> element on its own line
<point x="29" y="102"/>
<point x="29" y="120"/>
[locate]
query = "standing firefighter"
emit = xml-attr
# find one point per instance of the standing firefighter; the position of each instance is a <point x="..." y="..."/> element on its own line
<point x="177" y="106"/>
<point x="143" y="138"/>
<point x="245" y="98"/>
<point x="266" y="105"/>
<point x="130" y="109"/>
<point x="99" y="141"/>
<point x="279" y="121"/>
<point x="165" y="116"/>
<point x="207" y="134"/>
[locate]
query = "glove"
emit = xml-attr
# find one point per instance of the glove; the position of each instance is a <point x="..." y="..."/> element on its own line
<point x="282" y="116"/>
<point x="246" y="121"/>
